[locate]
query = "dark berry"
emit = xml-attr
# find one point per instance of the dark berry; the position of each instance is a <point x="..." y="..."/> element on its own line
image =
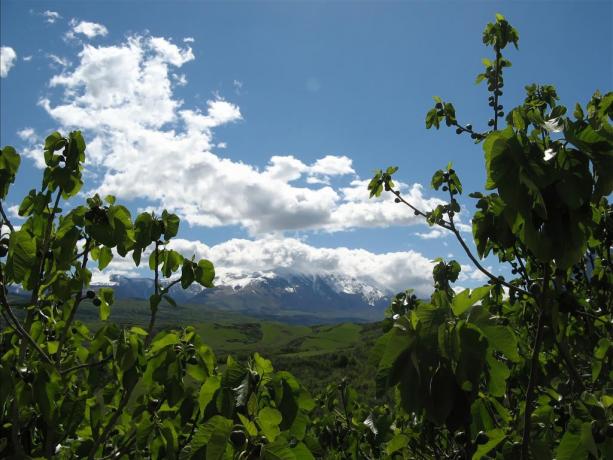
<point x="90" y="294"/>
<point x="482" y="438"/>
<point x="97" y="302"/>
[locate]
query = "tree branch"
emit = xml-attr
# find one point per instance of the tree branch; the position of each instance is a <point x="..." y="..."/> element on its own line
<point x="418" y="212"/>
<point x="534" y="365"/>
<point x="156" y="288"/>
<point x="41" y="267"/>
<point x="6" y="219"/>
<point x="21" y="332"/>
<point x="77" y="302"/>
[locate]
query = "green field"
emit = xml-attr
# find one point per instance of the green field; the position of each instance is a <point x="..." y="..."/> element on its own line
<point x="317" y="355"/>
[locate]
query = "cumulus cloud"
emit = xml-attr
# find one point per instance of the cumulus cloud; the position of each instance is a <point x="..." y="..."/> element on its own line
<point x="51" y="16"/>
<point x="7" y="60"/>
<point x="237" y="260"/>
<point x="391" y="272"/>
<point x="89" y="29"/>
<point x="142" y="143"/>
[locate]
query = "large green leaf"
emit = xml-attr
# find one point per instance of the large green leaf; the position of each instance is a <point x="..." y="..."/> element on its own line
<point x="21" y="260"/>
<point x="467" y="298"/>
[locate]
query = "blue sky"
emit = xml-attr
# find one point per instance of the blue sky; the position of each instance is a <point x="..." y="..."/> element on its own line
<point x="258" y="122"/>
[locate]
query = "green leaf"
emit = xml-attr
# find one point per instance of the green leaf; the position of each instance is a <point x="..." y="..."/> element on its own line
<point x="502" y="339"/>
<point x="269" y="419"/>
<point x="398" y="442"/>
<point x="571" y="446"/>
<point x="52" y="141"/>
<point x="466" y="299"/>
<point x="187" y="273"/>
<point x="262" y="365"/>
<point x="163" y="342"/>
<point x="107" y="298"/>
<point x="171" y="224"/>
<point x="207" y="391"/>
<point x="495" y="436"/>
<point x="278" y="451"/>
<point x="9" y="164"/>
<point x="21" y="258"/>
<point x="172" y="261"/>
<point x="204" y="273"/>
<point x="105" y="255"/>
<point x="214" y="435"/>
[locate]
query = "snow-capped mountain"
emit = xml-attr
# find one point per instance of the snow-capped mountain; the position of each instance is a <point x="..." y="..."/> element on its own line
<point x="272" y="293"/>
<point x="269" y="294"/>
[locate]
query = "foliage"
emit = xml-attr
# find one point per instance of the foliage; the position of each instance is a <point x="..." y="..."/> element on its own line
<point x="518" y="367"/>
<point x="68" y="391"/>
<point x="515" y="368"/>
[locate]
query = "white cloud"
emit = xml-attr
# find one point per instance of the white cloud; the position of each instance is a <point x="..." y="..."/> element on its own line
<point x="470" y="273"/>
<point x="59" y="61"/>
<point x="89" y="29"/>
<point x="13" y="212"/>
<point x="433" y="234"/>
<point x="7" y="60"/>
<point x="51" y="16"/>
<point x="189" y="40"/>
<point x="180" y="79"/>
<point x="143" y="144"/>
<point x="392" y="271"/>
<point x="26" y="134"/>
<point x="33" y="147"/>
<point x="27" y="58"/>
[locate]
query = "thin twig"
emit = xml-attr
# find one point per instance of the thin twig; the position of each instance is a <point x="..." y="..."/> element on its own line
<point x="86" y="365"/>
<point x="418" y="212"/>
